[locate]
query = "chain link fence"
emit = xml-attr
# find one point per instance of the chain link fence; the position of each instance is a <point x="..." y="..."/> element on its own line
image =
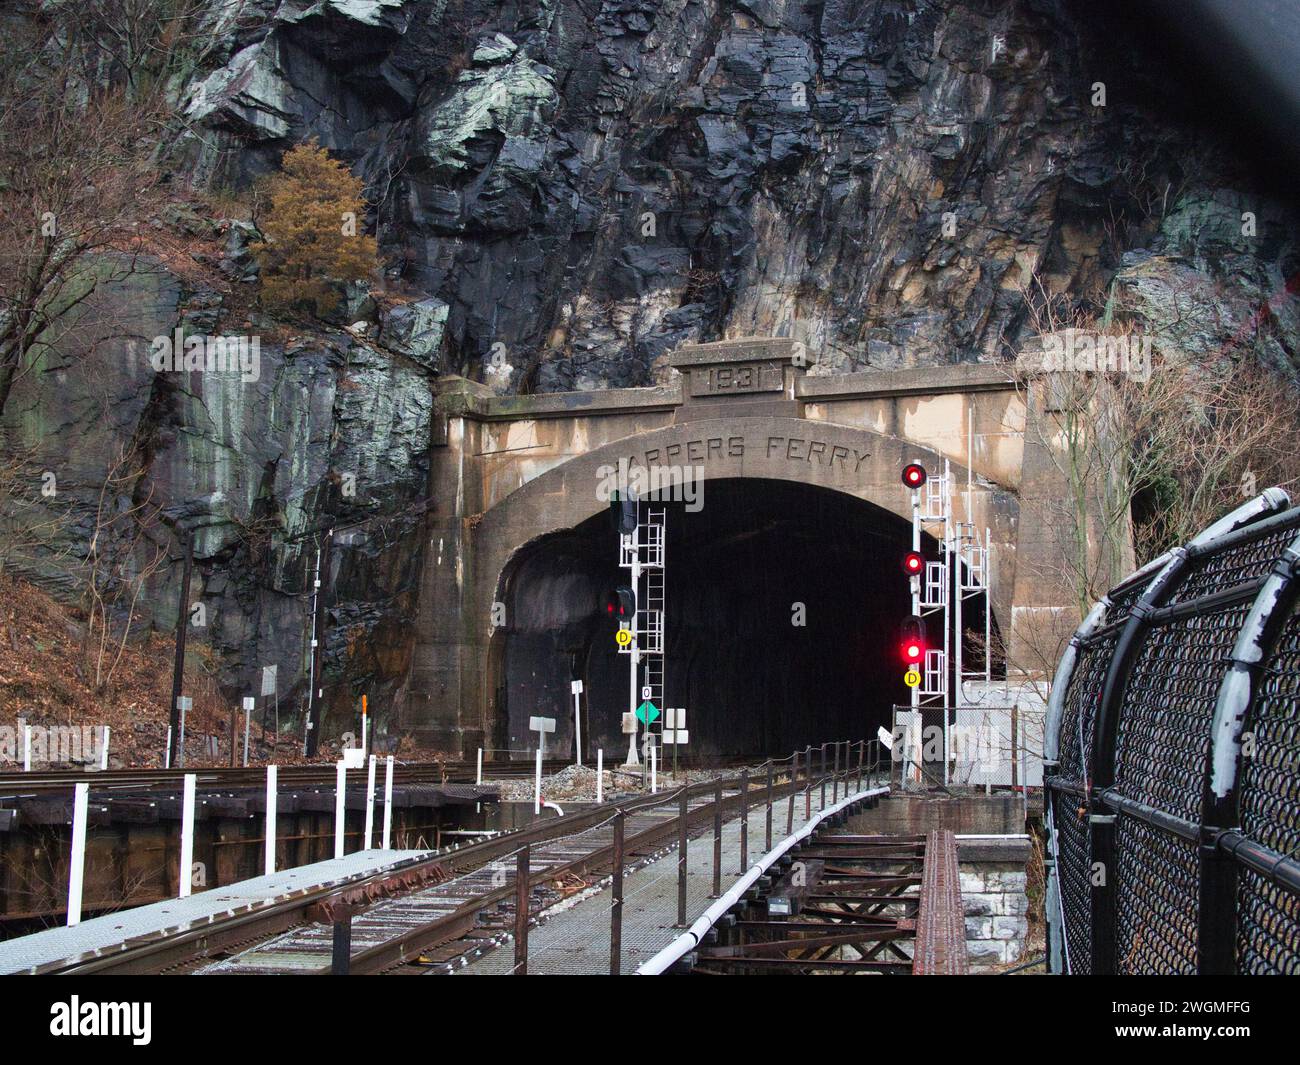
<point x="1172" y="762"/>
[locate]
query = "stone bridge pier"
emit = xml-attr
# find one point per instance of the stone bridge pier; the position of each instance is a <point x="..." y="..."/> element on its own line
<point x="784" y="580"/>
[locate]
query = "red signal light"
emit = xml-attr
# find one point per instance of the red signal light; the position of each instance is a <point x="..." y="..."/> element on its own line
<point x="620" y="603"/>
<point x="913" y="475"/>
<point x="913" y="563"/>
<point x="912" y="645"/>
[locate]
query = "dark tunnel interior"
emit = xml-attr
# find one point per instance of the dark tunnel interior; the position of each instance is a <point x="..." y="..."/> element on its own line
<point x="743" y="570"/>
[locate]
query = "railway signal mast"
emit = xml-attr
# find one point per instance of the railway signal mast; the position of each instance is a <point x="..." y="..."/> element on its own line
<point x="939" y="589"/>
<point x="641" y="534"/>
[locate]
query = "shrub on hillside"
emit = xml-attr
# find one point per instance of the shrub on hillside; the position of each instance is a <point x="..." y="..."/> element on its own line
<point x="313" y="241"/>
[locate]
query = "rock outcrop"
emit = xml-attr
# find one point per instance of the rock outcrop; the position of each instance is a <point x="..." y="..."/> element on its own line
<point x="564" y="192"/>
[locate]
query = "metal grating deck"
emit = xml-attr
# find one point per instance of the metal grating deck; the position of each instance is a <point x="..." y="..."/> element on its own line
<point x="575" y="941"/>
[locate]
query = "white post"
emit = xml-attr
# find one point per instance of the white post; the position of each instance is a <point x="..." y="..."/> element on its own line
<point x="340" y="786"/>
<point x="248" y="720"/>
<point x="272" y="775"/>
<point x="478" y="772"/>
<point x="654" y="768"/>
<point x="947" y="608"/>
<point x="600" y="774"/>
<point x="388" y="803"/>
<point x="537" y="779"/>
<point x="77" y="863"/>
<point x="365" y="721"/>
<point x="27" y="748"/>
<point x="988" y="605"/>
<point x="577" y="722"/>
<point x="103" y="748"/>
<point x="370" y="803"/>
<point x="184" y="703"/>
<point x="187" y="836"/>
<point x="167" y="751"/>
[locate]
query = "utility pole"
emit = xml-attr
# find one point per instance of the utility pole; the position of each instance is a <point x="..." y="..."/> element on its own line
<point x="312" y="741"/>
<point x="178" y="668"/>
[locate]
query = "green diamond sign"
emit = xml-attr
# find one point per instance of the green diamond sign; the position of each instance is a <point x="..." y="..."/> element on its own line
<point x="647" y="712"/>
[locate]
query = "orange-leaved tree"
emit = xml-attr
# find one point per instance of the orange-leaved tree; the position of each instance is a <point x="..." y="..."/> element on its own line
<point x="312" y="230"/>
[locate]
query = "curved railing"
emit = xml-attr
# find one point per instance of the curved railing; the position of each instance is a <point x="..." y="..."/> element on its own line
<point x="1172" y="762"/>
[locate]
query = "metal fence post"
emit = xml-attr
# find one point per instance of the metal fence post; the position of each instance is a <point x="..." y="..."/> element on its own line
<point x="521" y="912"/>
<point x="835" y="774"/>
<point x="744" y="820"/>
<point x="807" y="785"/>
<point x="862" y="755"/>
<point x="823" y="776"/>
<point x="616" y="906"/>
<point x="794" y="788"/>
<point x="768" y="837"/>
<point x="341" y="948"/>
<point x="1103" y="828"/>
<point x="681" y="861"/>
<point x="1239" y="693"/>
<point x="717" y="840"/>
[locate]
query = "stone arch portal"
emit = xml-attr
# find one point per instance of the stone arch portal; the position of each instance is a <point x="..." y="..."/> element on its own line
<point x="516" y="568"/>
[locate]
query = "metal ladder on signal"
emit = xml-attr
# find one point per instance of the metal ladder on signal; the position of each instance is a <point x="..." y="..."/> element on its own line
<point x="651" y="600"/>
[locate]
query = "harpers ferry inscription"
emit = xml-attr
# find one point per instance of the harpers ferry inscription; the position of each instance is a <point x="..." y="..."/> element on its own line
<point x="776" y="448"/>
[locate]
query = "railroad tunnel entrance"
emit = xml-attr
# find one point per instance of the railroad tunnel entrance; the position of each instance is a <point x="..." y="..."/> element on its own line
<point x="784" y="602"/>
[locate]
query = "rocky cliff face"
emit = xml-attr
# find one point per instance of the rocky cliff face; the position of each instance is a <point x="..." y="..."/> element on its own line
<point x="565" y="191"/>
<point x="587" y="186"/>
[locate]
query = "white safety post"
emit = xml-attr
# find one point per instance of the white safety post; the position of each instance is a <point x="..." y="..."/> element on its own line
<point x="537" y="780"/>
<point x="365" y="721"/>
<point x="187" y="837"/>
<point x="600" y="774"/>
<point x="272" y="775"/>
<point x="654" y="769"/>
<point x="167" y="751"/>
<point x="183" y="703"/>
<point x="27" y="748"/>
<point x="478" y="772"/>
<point x="540" y="725"/>
<point x="576" y="688"/>
<point x="77" y="863"/>
<point x="340" y="786"/>
<point x="248" y="721"/>
<point x="103" y="748"/>
<point x="370" y="802"/>
<point x="388" y="803"/>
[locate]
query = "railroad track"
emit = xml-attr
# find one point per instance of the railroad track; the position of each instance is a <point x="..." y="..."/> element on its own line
<point x="108" y="781"/>
<point x="416" y="917"/>
<point x="19" y="784"/>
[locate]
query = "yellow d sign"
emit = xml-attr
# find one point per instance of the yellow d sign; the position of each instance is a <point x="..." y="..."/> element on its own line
<point x="623" y="637"/>
<point x="911" y="678"/>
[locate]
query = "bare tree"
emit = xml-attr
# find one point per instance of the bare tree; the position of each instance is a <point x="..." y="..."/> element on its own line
<point x="83" y="100"/>
<point x="121" y="558"/>
<point x="1146" y="454"/>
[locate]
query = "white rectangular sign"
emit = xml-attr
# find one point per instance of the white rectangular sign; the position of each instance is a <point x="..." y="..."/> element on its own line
<point x="542" y="724"/>
<point x="675" y="736"/>
<point x="576" y="687"/>
<point x="268" y="680"/>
